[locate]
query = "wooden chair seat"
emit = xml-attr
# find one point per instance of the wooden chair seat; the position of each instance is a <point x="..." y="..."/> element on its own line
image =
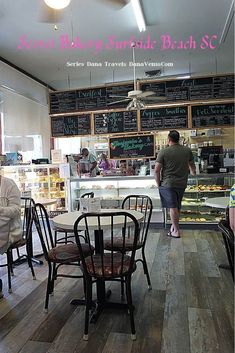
<point x="67" y="253"/>
<point x="109" y="265"/>
<point x="18" y="244"/>
<point x="118" y="244"/>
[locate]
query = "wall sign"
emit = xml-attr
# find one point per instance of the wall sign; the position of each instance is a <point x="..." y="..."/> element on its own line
<point x="139" y="146"/>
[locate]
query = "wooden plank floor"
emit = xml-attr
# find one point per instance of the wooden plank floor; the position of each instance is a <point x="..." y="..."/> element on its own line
<point x="189" y="310"/>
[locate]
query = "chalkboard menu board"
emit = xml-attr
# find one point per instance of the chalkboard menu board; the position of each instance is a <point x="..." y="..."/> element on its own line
<point x="164" y="118"/>
<point x="71" y="125"/>
<point x="193" y="89"/>
<point x="62" y="102"/>
<point x="115" y="122"/>
<point x="88" y="99"/>
<point x="132" y="147"/>
<point x="213" y="114"/>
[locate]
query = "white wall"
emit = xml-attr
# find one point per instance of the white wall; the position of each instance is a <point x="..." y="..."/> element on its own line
<point x="25" y="112"/>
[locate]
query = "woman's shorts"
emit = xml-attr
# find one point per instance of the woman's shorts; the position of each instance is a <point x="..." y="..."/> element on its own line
<point x="171" y="197"/>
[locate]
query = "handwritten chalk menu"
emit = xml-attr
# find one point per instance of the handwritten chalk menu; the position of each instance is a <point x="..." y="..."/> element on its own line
<point x="115" y="122"/>
<point x="214" y="114"/>
<point x="93" y="98"/>
<point x="193" y="89"/>
<point x="62" y="102"/>
<point x="164" y="118"/>
<point x="132" y="147"/>
<point x="88" y="99"/>
<point x="57" y="127"/>
<point x="71" y="125"/>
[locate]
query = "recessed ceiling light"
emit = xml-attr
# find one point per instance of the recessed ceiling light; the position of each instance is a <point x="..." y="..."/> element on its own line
<point x="57" y="4"/>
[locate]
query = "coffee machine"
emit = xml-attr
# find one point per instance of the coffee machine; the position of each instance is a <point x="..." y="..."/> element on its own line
<point x="212" y="158"/>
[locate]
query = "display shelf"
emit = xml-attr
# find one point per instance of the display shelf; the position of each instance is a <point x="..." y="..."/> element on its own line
<point x="43" y="181"/>
<point x="201" y="187"/>
<point x="112" y="190"/>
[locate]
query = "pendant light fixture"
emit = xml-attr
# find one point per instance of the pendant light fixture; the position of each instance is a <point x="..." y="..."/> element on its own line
<point x="57" y="4"/>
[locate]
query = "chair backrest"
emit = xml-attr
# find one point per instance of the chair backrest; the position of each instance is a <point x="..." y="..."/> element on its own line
<point x="141" y="203"/>
<point x="228" y="237"/>
<point x="106" y="225"/>
<point x="88" y="195"/>
<point x="43" y="227"/>
<point x="227" y="232"/>
<point x="27" y="205"/>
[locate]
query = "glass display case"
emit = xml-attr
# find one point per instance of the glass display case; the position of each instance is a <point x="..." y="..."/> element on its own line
<point x="43" y="180"/>
<point x="200" y="188"/>
<point x="112" y="190"/>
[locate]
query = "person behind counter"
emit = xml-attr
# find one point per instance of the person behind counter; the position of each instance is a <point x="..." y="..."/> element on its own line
<point x="126" y="168"/>
<point x="105" y="163"/>
<point x="88" y="163"/>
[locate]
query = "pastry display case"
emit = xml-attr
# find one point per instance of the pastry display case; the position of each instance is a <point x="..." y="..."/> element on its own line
<point x="112" y="190"/>
<point x="200" y="188"/>
<point x="42" y="180"/>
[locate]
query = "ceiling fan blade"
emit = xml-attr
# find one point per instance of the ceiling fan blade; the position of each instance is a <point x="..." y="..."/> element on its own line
<point x="116" y="4"/>
<point x="49" y="15"/>
<point x="116" y="96"/>
<point x="120" y="101"/>
<point x="154" y="99"/>
<point x="146" y="94"/>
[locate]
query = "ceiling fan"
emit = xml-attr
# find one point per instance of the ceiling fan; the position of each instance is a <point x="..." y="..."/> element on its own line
<point x="52" y="11"/>
<point x="136" y="97"/>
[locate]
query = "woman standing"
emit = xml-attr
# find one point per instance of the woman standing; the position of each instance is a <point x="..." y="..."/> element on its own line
<point x="105" y="163"/>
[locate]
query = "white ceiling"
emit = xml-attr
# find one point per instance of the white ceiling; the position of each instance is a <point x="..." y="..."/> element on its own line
<point x="95" y="20"/>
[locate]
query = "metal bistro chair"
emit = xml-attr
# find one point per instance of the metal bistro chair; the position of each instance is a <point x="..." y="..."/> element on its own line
<point x="56" y="256"/>
<point x="141" y="203"/>
<point x="26" y="240"/>
<point x="70" y="238"/>
<point x="228" y="237"/>
<point x="107" y="266"/>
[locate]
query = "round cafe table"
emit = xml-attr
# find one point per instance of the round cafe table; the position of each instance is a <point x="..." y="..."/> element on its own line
<point x="66" y="222"/>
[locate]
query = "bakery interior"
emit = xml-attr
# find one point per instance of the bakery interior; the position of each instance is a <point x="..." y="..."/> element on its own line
<point x="184" y="53"/>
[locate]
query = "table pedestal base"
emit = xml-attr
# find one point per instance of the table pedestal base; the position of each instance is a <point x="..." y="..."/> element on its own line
<point x="99" y="306"/>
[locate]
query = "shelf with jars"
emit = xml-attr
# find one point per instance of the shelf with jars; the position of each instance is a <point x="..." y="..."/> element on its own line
<point x="42" y="180"/>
